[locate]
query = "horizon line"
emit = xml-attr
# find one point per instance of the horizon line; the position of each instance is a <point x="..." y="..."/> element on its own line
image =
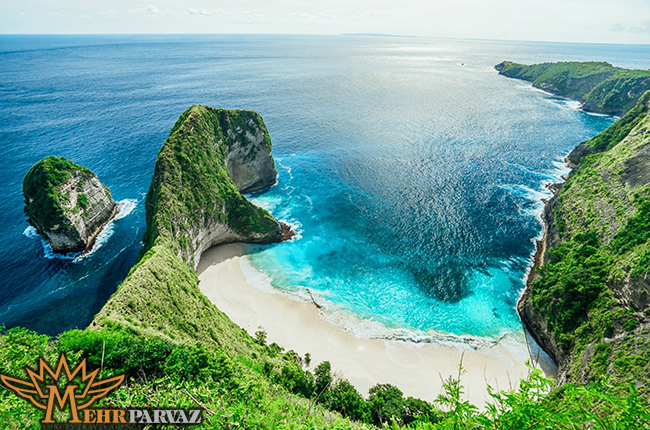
<point x="330" y="35"/>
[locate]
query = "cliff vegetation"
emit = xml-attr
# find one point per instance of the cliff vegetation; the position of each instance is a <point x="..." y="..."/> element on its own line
<point x="600" y="86"/>
<point x="593" y="289"/>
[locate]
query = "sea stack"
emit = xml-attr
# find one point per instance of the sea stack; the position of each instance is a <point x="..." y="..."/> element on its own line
<point x="195" y="200"/>
<point x="66" y="203"/>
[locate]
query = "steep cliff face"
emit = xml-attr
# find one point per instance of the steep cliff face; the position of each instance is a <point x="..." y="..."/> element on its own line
<point x="194" y="201"/>
<point x="600" y="86"/>
<point x="66" y="203"/>
<point x="248" y="156"/>
<point x="588" y="303"/>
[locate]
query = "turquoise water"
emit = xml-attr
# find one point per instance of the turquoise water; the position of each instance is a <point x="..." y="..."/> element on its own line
<point x="412" y="171"/>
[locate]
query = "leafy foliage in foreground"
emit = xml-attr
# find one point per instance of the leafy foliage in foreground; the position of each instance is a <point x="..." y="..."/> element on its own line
<point x="237" y="392"/>
<point x="240" y="393"/>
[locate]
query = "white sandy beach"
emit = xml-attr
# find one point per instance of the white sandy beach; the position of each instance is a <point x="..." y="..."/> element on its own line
<point x="416" y="368"/>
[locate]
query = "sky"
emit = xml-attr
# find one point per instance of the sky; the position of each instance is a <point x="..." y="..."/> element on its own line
<point x="591" y="21"/>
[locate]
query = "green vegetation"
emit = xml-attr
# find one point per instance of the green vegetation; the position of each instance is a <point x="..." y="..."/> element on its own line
<point x="191" y="188"/>
<point x="620" y="129"/>
<point x="179" y="351"/>
<point x="82" y="201"/>
<point x="600" y="86"/>
<point x="41" y="187"/>
<point x="240" y="392"/>
<point x="592" y="290"/>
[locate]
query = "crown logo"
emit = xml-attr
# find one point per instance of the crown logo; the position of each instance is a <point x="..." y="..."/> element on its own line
<point x="74" y="396"/>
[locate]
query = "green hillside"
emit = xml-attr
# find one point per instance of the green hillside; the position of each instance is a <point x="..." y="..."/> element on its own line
<point x="600" y="86"/>
<point x="593" y="289"/>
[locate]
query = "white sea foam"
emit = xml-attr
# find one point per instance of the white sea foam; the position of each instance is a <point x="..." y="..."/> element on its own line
<point x="125" y="207"/>
<point x="257" y="277"/>
<point x="557" y="174"/>
<point x="296" y="227"/>
<point x="360" y="327"/>
<point x="572" y="104"/>
<point x="31" y="232"/>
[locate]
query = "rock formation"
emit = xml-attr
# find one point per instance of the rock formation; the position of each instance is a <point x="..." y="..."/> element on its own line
<point x="194" y="202"/>
<point x="210" y="157"/>
<point x="66" y="204"/>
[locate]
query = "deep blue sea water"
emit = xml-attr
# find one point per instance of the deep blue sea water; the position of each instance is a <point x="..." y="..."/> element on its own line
<point x="413" y="171"/>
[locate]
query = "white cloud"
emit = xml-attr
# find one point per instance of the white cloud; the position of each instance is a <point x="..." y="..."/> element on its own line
<point x="205" y="12"/>
<point x="252" y="14"/>
<point x="643" y="28"/>
<point x="22" y="14"/>
<point x="150" y="10"/>
<point x="86" y="17"/>
<point x="617" y="27"/>
<point x="60" y="15"/>
<point x="111" y="13"/>
<point x="371" y="15"/>
<point x="314" y="15"/>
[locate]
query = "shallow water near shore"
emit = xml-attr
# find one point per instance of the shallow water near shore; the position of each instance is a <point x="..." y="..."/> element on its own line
<point x="412" y="171"/>
<point x="417" y="368"/>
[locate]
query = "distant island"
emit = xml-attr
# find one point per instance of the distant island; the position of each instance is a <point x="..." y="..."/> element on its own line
<point x="601" y="87"/>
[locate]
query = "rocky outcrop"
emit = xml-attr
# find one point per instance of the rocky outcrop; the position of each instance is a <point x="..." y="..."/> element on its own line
<point x="248" y="160"/>
<point x="66" y="204"/>
<point x="195" y="202"/>
<point x="195" y="199"/>
<point x="600" y="86"/>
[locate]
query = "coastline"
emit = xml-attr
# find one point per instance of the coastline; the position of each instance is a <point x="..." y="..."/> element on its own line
<point x="418" y="369"/>
<point x="539" y="255"/>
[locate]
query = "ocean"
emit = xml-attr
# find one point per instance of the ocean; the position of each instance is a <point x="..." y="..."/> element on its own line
<point x="412" y="171"/>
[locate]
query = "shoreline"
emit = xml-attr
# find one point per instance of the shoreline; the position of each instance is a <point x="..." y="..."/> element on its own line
<point x="418" y="369"/>
<point x="538" y="260"/>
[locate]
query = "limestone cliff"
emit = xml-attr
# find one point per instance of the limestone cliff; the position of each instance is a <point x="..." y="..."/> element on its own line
<point x="588" y="303"/>
<point x="194" y="202"/>
<point x="66" y="203"/>
<point x="600" y="86"/>
<point x="195" y="199"/>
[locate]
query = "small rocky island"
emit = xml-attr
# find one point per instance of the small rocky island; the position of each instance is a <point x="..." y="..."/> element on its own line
<point x="67" y="204"/>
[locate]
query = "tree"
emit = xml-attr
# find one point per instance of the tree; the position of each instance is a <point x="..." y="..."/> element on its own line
<point x="323" y="377"/>
<point x="387" y="403"/>
<point x="344" y="398"/>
